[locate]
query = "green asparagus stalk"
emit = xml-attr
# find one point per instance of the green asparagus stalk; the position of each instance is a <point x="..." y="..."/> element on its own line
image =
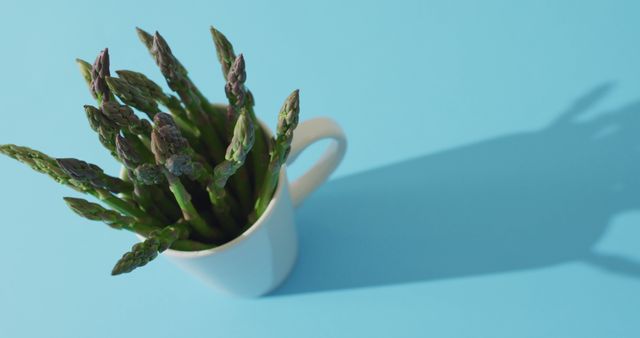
<point x="96" y="212"/>
<point x="176" y="76"/>
<point x="42" y="163"/>
<point x="258" y="158"/>
<point x="144" y="252"/>
<point x="150" y="197"/>
<point x="197" y="107"/>
<point x="92" y="175"/>
<point x="138" y="91"/>
<point x="241" y="144"/>
<point x="178" y="161"/>
<point x="287" y="122"/>
<point x="108" y="121"/>
<point x="237" y="94"/>
<point x="227" y="57"/>
<point x="166" y="142"/>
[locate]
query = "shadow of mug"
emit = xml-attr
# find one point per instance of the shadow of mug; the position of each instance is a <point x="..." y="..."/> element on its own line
<point x="514" y="202"/>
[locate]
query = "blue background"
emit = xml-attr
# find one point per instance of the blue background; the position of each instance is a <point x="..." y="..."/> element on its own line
<point x="491" y="187"/>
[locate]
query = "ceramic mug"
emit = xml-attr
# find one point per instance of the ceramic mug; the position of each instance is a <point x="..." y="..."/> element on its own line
<point x="260" y="259"/>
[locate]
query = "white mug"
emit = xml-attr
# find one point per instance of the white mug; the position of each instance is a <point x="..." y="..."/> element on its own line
<point x="260" y="259"/>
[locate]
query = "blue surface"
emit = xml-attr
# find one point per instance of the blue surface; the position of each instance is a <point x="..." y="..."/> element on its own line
<point x="491" y="187"/>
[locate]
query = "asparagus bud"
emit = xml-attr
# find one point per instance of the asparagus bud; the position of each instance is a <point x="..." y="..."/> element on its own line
<point x="142" y="82"/>
<point x="181" y="164"/>
<point x="165" y="142"/>
<point x="241" y="144"/>
<point x="144" y="252"/>
<point x="133" y="96"/>
<point x="170" y="67"/>
<point x="99" y="72"/>
<point x="38" y="161"/>
<point x="50" y="166"/>
<point x="96" y="212"/>
<point x="106" y="129"/>
<point x="124" y="117"/>
<point x="127" y="153"/>
<point x="145" y="37"/>
<point x="149" y="174"/>
<point x="171" y="149"/>
<point x="224" y="51"/>
<point x="164" y="119"/>
<point x="287" y="122"/>
<point x="85" y="70"/>
<point x="197" y="112"/>
<point x="235" y="83"/>
<point x="92" y="175"/>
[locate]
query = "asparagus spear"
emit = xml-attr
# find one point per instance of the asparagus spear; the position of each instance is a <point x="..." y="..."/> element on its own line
<point x="49" y="166"/>
<point x="96" y="212"/>
<point x="133" y="96"/>
<point x="140" y="92"/>
<point x="108" y="121"/>
<point x="287" y="122"/>
<point x="99" y="72"/>
<point x="173" y="151"/>
<point x="150" y="197"/>
<point x="146" y="38"/>
<point x="92" y="175"/>
<point x="127" y="153"/>
<point x="144" y="252"/>
<point x="105" y="129"/>
<point x="236" y="93"/>
<point x="227" y="57"/>
<point x="166" y="141"/>
<point x="259" y="156"/>
<point x="41" y="163"/>
<point x="176" y="76"/>
<point x="124" y="117"/>
<point x="241" y="144"/>
<point x="197" y="107"/>
<point x="143" y="83"/>
<point x="85" y="69"/>
<point x="224" y="50"/>
<point x="234" y="87"/>
<point x="152" y="90"/>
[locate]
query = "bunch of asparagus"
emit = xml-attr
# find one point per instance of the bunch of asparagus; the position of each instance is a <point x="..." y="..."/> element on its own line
<point x="196" y="174"/>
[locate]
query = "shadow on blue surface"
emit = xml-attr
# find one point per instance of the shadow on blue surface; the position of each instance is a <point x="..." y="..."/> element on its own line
<point x="514" y="202"/>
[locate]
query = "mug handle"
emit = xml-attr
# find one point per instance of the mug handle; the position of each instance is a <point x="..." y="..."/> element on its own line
<point x="307" y="133"/>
